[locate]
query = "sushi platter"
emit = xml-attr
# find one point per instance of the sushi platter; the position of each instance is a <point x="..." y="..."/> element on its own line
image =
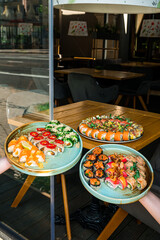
<point x="43" y="148"/>
<point x="116" y="174"/>
<point x="110" y="129"/>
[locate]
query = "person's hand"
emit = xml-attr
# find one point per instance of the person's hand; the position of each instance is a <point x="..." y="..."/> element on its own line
<point x="4" y="165"/>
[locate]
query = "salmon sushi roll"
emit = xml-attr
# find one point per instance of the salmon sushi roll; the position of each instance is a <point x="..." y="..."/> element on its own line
<point x="88" y="132"/>
<point x="103" y="158"/>
<point x="141" y="167"/>
<point x="88" y="174"/>
<point x="131" y="158"/>
<point x="125" y="135"/>
<point x="110" y="136"/>
<point x="131" y="183"/>
<point x="24" y="155"/>
<point x="87" y="165"/>
<point x="130" y="173"/>
<point x="34" y="149"/>
<point x="17" y="150"/>
<point x="97" y="151"/>
<point x="31" y="161"/>
<point x="22" y="138"/>
<point x="83" y="128"/>
<point x="95" y="183"/>
<point x="141" y="183"/>
<point x="100" y="175"/>
<point x="122" y="182"/>
<point x="140" y="161"/>
<point x="118" y="136"/>
<point x="11" y="145"/>
<point x="40" y="156"/>
<point x="102" y="135"/>
<point x="112" y="182"/>
<point x="94" y="133"/>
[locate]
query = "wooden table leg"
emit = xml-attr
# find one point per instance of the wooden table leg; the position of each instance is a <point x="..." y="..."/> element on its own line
<point x="66" y="210"/>
<point x="23" y="190"/>
<point x="118" y="99"/>
<point x="115" y="221"/>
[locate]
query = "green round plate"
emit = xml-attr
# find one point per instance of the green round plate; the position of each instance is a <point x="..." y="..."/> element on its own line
<point x="62" y="162"/>
<point x="117" y="196"/>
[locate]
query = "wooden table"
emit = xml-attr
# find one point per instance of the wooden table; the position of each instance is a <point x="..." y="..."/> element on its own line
<point x="141" y="64"/>
<point x="104" y="74"/>
<point x="73" y="114"/>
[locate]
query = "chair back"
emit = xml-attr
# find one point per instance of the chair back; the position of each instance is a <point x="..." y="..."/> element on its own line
<point x="85" y="87"/>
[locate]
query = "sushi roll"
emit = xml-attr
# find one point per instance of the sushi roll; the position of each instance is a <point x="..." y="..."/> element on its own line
<point x="131" y="158"/>
<point x="142" y="173"/>
<point x="67" y="129"/>
<point x="41" y="145"/>
<point x="111" y="165"/>
<point x="51" y="138"/>
<point x="68" y="142"/>
<point x="60" y="135"/>
<point x="110" y="172"/>
<point x="31" y="135"/>
<point x="141" y="183"/>
<point x="46" y="134"/>
<point x="83" y="128"/>
<point x="130" y="173"/>
<point x="100" y="175"/>
<point x="88" y="132"/>
<point x="131" y="183"/>
<point x="88" y="174"/>
<point x="118" y="136"/>
<point x="98" y="165"/>
<point x="101" y="135"/>
<point x="34" y="149"/>
<point x="17" y="149"/>
<point x="36" y="140"/>
<point x="110" y="136"/>
<point x="97" y="151"/>
<point x="41" y="130"/>
<point x="94" y="133"/>
<point x="11" y="145"/>
<point x="140" y="161"/>
<point x="95" y="183"/>
<point x="39" y="155"/>
<point x="60" y="145"/>
<point x="31" y="161"/>
<point x="54" y="123"/>
<point x="87" y="165"/>
<point x="112" y="182"/>
<point x="129" y="165"/>
<point x="103" y="158"/>
<point x="24" y="155"/>
<point x="126" y="135"/>
<point x="122" y="182"/>
<point x="141" y="167"/>
<point x="74" y="138"/>
<point x="132" y="134"/>
<point x="22" y="138"/>
<point x="51" y="149"/>
<point x="91" y="157"/>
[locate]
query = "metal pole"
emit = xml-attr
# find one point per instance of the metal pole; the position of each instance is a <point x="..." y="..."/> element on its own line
<point x="51" y="105"/>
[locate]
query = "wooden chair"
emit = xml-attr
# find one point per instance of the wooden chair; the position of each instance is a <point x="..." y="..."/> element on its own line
<point x="139" y="93"/>
<point x="85" y="87"/>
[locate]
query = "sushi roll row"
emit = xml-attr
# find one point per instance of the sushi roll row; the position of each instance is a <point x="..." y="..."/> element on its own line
<point x="116" y="170"/>
<point x="63" y="132"/>
<point x="26" y="152"/>
<point x="110" y="128"/>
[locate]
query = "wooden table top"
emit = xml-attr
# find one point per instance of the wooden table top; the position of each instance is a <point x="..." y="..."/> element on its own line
<point x="73" y="114"/>
<point x="105" y="74"/>
<point x="141" y="64"/>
